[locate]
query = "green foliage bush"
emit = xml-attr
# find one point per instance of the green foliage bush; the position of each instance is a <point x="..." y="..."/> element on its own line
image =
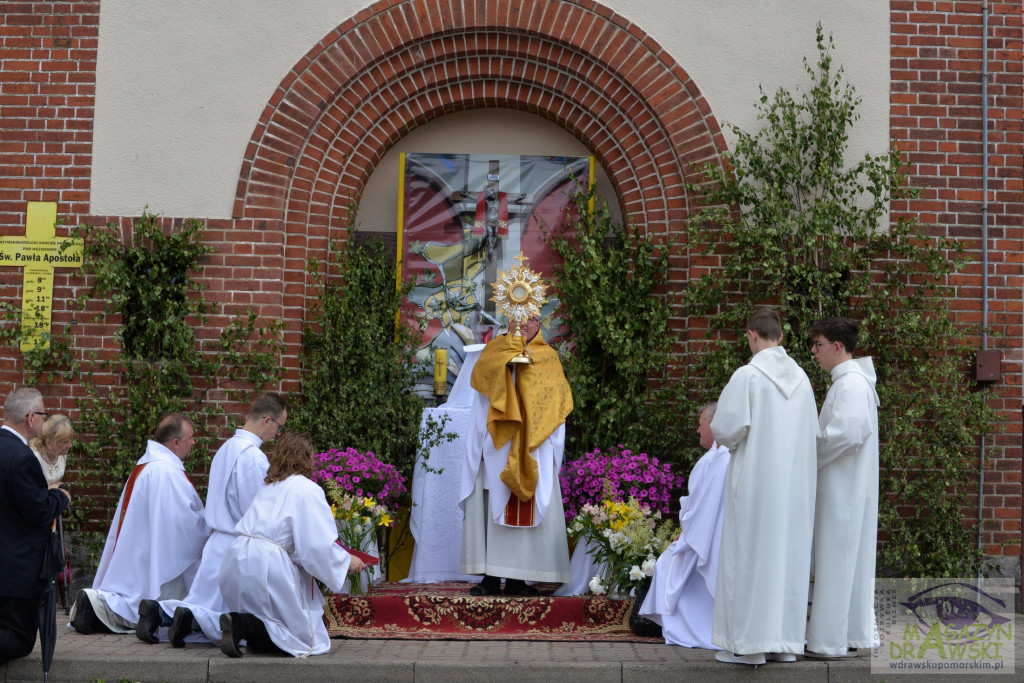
<point x="360" y="369"/>
<point x="613" y="290"/>
<point x="794" y="227"/>
<point x="359" y="364"/>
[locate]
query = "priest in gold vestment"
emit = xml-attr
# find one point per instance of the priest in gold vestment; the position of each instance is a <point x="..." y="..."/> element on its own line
<point x="514" y="523"/>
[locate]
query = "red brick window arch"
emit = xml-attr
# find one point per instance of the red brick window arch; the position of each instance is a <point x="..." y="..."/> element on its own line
<point x="395" y="66"/>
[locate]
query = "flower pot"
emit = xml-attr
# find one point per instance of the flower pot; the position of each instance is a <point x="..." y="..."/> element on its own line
<point x="640" y="625"/>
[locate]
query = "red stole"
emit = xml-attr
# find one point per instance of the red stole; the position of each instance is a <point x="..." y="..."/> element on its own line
<point x="128" y="488"/>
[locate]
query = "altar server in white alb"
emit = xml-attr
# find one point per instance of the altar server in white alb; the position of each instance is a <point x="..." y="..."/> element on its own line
<point x="846" y="510"/>
<point x="155" y="539"/>
<point x="515" y="526"/>
<point x="768" y="419"/>
<point x="236" y="476"/>
<point x="682" y="593"/>
<point x="287" y="537"/>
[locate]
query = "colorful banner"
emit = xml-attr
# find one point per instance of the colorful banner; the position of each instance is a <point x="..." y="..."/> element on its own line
<point x="463" y="219"/>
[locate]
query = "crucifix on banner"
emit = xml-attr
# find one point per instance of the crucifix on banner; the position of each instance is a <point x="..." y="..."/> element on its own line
<point x="39" y="252"/>
<point x="492" y="211"/>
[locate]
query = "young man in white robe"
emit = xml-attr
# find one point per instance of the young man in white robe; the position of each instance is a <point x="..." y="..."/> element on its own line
<point x="236" y="476"/>
<point x="846" y="509"/>
<point x="768" y="419"/>
<point x="514" y="522"/>
<point x="155" y="539"/>
<point x="287" y="537"/>
<point x="682" y="594"/>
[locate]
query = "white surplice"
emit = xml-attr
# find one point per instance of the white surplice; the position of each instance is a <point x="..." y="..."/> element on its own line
<point x="285" y="539"/>
<point x="489" y="546"/>
<point x="162" y="532"/>
<point x="682" y="593"/>
<point x="846" y="513"/>
<point x="482" y="456"/>
<point x="768" y="419"/>
<point x="236" y="476"/>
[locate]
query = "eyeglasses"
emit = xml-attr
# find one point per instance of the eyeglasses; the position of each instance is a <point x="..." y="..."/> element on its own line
<point x="280" y="427"/>
<point x="818" y="344"/>
<point x="45" y="416"/>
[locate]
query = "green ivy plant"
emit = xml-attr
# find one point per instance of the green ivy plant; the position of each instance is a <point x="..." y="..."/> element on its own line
<point x="145" y="280"/>
<point x="794" y="226"/>
<point x="613" y="291"/>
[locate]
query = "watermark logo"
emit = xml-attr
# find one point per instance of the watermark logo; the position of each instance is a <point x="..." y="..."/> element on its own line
<point x="944" y="626"/>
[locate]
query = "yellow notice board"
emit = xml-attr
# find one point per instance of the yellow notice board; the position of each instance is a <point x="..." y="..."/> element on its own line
<point x="39" y="252"/>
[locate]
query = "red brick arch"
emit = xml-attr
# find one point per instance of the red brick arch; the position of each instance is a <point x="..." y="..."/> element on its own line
<point x="396" y="65"/>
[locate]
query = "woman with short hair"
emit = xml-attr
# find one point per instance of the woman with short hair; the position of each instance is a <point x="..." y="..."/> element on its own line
<point x="52" y="445"/>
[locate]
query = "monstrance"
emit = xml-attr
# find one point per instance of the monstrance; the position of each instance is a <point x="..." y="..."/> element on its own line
<point x="519" y="293"/>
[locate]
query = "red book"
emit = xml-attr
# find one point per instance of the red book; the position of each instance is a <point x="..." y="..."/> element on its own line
<point x="368" y="560"/>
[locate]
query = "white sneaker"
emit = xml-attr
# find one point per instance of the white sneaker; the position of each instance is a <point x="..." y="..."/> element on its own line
<point x="785" y="657"/>
<point x="755" y="659"/>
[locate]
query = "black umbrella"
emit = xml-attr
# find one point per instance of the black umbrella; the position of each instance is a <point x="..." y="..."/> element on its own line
<point x="53" y="560"/>
<point x="64" y="576"/>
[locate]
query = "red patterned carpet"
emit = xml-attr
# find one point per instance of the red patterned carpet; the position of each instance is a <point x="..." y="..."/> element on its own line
<point x="446" y="611"/>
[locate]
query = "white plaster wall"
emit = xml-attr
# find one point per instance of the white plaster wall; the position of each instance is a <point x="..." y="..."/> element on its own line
<point x="181" y="83"/>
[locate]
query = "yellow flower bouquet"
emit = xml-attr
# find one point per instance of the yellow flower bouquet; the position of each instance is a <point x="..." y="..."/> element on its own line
<point x="358" y="519"/>
<point x="626" y="539"/>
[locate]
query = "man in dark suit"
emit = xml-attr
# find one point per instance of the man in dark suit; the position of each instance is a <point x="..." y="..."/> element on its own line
<point x="27" y="510"/>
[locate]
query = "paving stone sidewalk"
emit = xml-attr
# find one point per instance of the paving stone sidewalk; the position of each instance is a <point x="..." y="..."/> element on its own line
<point x="116" y="658"/>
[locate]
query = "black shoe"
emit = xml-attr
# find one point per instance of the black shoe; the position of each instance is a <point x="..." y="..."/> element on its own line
<point x="181" y="626"/>
<point x="86" y="622"/>
<point x="231" y="634"/>
<point x="490" y="585"/>
<point x="149" y="622"/>
<point x="254" y="647"/>
<point x="518" y="588"/>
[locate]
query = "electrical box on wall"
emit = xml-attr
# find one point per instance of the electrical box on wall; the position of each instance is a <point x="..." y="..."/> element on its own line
<point x="986" y="365"/>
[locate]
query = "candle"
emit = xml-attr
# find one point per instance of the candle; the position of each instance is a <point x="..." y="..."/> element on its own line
<point x="440" y="371"/>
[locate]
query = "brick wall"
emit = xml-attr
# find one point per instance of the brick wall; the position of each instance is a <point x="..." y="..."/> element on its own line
<point x="396" y="65"/>
<point x="47" y="90"/>
<point x="936" y="119"/>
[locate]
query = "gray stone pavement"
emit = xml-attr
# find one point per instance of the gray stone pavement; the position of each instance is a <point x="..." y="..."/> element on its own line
<point x="115" y="658"/>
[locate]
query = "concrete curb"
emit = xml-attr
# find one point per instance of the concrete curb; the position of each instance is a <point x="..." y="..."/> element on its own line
<point x="115" y="658"/>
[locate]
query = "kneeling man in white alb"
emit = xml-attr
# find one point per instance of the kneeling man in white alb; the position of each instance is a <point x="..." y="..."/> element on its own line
<point x="682" y="593"/>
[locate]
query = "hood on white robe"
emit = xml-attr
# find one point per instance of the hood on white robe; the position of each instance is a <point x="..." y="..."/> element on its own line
<point x="859" y="366"/>
<point x="775" y="364"/>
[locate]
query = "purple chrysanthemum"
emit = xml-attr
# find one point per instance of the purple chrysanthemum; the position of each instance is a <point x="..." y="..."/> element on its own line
<point x="374" y="477"/>
<point x="616" y="473"/>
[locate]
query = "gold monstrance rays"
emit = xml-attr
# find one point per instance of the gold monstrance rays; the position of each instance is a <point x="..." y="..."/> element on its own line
<point x="519" y="293"/>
